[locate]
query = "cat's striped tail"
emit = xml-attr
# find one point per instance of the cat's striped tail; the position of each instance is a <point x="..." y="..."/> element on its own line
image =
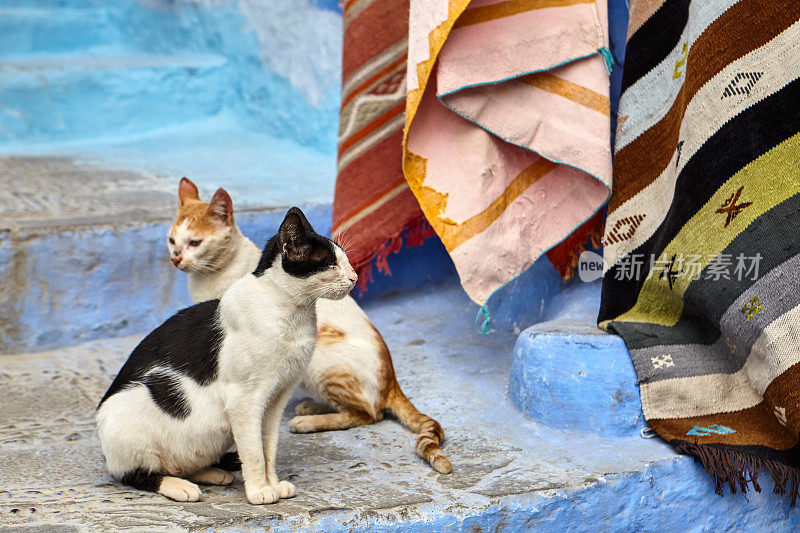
<point x="431" y="434"/>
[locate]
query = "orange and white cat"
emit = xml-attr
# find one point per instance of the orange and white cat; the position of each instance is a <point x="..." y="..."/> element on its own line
<point x="350" y="373"/>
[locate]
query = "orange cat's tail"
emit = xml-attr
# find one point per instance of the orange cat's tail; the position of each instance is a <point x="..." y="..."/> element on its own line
<point x="430" y="432"/>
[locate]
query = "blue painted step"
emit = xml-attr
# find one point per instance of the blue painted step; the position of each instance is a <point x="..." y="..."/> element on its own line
<point x="571" y="375"/>
<point x="95" y="296"/>
<point x="66" y="97"/>
<point x="54" y="3"/>
<point x="28" y="30"/>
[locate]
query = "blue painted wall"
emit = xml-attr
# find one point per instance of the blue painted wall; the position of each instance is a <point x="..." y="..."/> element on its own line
<point x="63" y="287"/>
<point x="90" y="69"/>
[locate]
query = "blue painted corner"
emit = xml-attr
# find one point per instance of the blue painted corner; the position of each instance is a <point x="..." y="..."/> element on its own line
<point x="571" y="375"/>
<point x="618" y="29"/>
<point x="332" y="5"/>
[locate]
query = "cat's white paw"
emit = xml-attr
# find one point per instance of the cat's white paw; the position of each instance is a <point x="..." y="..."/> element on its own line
<point x="286" y="490"/>
<point x="179" y="489"/>
<point x="301" y="424"/>
<point x="213" y="476"/>
<point x="262" y="495"/>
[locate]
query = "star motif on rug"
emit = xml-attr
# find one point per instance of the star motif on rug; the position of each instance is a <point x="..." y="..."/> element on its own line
<point x="752" y="309"/>
<point x="731" y="208"/>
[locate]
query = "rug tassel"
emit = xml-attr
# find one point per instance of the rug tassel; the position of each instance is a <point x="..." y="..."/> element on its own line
<point x="608" y="59"/>
<point x="415" y="233"/>
<point x="733" y="468"/>
<point x="485" y="325"/>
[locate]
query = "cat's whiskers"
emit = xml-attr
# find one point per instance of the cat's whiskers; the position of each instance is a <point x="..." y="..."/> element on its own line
<point x="211" y="267"/>
<point x="345" y="242"/>
<point x="342" y="238"/>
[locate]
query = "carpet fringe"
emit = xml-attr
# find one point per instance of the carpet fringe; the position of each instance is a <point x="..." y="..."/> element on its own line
<point x="414" y="233"/>
<point x="727" y="466"/>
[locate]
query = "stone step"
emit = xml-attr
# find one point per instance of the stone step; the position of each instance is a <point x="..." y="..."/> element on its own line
<point x="570" y="374"/>
<point x="83" y="246"/>
<point x="66" y="97"/>
<point x="26" y="31"/>
<point x="53" y="4"/>
<point x="510" y="473"/>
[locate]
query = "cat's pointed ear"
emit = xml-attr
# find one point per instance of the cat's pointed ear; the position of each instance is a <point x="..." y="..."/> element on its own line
<point x="221" y="207"/>
<point x="187" y="191"/>
<point x="293" y="235"/>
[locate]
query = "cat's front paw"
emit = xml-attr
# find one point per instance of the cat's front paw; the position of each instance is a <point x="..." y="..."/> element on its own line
<point x="286" y="490"/>
<point x="262" y="495"/>
<point x="179" y="489"/>
<point x="302" y="424"/>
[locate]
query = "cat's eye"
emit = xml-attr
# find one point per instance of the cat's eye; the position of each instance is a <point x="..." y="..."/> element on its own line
<point x="171" y="241"/>
<point x="195" y="242"/>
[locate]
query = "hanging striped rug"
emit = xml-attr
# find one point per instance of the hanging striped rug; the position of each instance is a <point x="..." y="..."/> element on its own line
<point x="702" y="240"/>
<point x="374" y="211"/>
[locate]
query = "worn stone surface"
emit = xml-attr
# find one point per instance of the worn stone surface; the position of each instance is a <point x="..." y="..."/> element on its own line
<point x="453" y="374"/>
<point x="56" y="192"/>
<point x="43" y="191"/>
<point x="509" y="472"/>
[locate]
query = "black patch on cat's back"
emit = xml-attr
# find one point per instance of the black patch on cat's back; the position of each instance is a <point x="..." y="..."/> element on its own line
<point x="167" y="394"/>
<point x="188" y="343"/>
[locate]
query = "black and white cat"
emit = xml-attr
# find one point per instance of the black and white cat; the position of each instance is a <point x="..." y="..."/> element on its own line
<point x="221" y="372"/>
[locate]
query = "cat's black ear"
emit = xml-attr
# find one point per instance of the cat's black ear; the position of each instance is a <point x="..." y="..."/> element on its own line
<point x="187" y="191"/>
<point x="221" y="207"/>
<point x="293" y="235"/>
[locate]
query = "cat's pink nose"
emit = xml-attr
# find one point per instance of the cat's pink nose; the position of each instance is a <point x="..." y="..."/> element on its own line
<point x="352" y="276"/>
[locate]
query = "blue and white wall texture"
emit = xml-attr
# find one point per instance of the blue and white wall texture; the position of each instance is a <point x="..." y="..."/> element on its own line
<point x="104" y="77"/>
<point x="241" y="94"/>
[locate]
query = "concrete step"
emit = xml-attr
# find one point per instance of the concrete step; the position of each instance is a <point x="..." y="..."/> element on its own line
<point x="569" y="374"/>
<point x="510" y="473"/>
<point x="83" y="245"/>
<point x="64" y="284"/>
<point x="26" y="31"/>
<point x="68" y="97"/>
